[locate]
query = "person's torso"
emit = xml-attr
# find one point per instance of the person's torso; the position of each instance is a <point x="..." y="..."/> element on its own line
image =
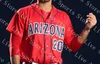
<point x="43" y="35"/>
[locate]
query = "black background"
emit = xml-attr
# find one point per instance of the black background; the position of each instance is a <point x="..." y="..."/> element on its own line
<point x="78" y="7"/>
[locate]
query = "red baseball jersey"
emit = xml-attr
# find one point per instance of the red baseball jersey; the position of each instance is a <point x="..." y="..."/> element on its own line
<point x="39" y="36"/>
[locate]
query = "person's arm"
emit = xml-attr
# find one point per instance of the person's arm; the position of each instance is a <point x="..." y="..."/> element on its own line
<point x="15" y="42"/>
<point x="15" y="59"/>
<point x="16" y="29"/>
<point x="91" y="21"/>
<point x="71" y="40"/>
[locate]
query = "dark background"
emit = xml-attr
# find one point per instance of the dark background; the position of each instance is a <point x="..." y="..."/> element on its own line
<point x="89" y="51"/>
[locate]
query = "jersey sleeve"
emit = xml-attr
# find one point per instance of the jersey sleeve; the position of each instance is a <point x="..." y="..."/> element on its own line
<point x="16" y="29"/>
<point x="70" y="38"/>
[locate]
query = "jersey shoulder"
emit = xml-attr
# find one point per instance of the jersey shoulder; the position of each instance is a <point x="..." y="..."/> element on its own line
<point x="25" y="9"/>
<point x="63" y="13"/>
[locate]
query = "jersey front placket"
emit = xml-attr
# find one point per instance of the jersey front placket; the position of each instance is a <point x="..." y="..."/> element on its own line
<point x="47" y="45"/>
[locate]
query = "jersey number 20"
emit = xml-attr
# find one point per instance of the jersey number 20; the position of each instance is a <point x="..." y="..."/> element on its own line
<point x="58" y="45"/>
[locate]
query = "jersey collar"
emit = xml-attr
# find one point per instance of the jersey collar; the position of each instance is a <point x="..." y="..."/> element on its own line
<point x="53" y="12"/>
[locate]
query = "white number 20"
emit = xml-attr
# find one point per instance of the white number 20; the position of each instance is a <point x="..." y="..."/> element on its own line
<point x="58" y="45"/>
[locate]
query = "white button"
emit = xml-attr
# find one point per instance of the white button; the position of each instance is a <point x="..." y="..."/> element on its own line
<point x="23" y="63"/>
<point x="47" y="45"/>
